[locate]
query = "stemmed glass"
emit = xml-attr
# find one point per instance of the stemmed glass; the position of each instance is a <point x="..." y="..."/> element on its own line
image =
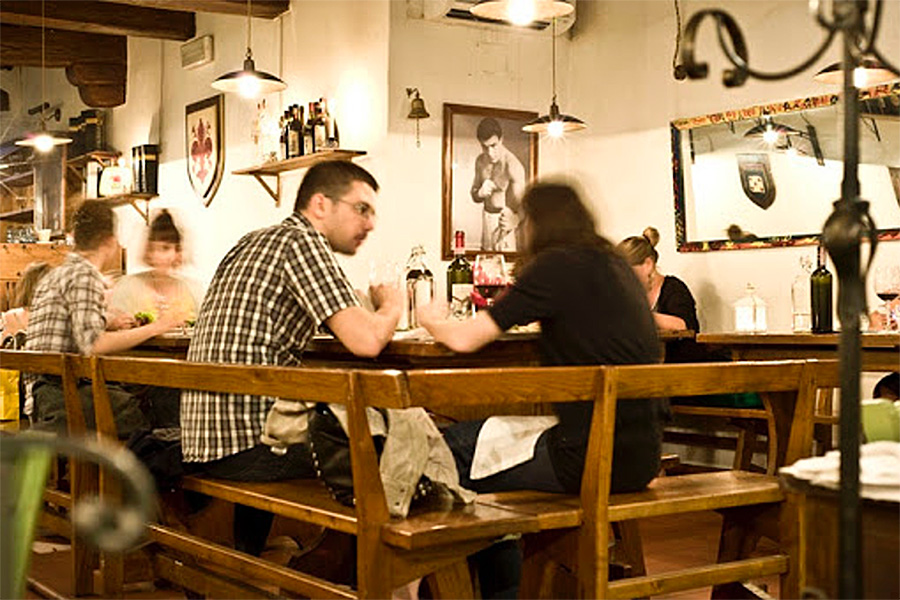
<point x="490" y="278"/>
<point x="887" y="288"/>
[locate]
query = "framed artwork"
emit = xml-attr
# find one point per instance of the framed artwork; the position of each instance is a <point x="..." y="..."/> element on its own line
<point x="487" y="163"/>
<point x="204" y="136"/>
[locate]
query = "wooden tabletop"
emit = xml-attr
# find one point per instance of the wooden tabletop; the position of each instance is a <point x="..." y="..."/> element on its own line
<point x="508" y="349"/>
<point x="868" y="340"/>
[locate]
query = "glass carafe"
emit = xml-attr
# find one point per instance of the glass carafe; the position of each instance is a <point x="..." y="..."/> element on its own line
<point x="419" y="284"/>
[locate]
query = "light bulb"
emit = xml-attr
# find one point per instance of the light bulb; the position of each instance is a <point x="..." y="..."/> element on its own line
<point x="248" y="86"/>
<point x="860" y="77"/>
<point x="521" y="12"/>
<point x="43" y="143"/>
<point x="555" y="129"/>
<point x="770" y="136"/>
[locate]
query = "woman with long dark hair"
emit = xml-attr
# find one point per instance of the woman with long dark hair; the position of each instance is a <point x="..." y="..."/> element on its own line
<point x="592" y="311"/>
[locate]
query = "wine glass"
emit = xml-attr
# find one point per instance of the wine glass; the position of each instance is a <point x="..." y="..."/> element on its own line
<point x="887" y="288"/>
<point x="490" y="278"/>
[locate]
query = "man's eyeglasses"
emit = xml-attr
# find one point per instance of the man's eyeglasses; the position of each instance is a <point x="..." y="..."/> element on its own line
<point x="363" y="209"/>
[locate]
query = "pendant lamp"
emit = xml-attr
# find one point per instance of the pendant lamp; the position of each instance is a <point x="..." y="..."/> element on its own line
<point x="870" y="71"/>
<point x="770" y="131"/>
<point x="555" y="123"/>
<point x="522" y="12"/>
<point x="248" y="82"/>
<point x="43" y="141"/>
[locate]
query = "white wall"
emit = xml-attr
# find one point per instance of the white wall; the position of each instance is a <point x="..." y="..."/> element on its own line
<point x="614" y="72"/>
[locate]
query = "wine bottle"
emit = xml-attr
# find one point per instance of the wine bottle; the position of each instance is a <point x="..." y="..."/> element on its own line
<point x="295" y="133"/>
<point x="331" y="139"/>
<point x="309" y="138"/>
<point x="820" y="295"/>
<point x="419" y="284"/>
<point x="285" y="134"/>
<point x="321" y="139"/>
<point x="459" y="280"/>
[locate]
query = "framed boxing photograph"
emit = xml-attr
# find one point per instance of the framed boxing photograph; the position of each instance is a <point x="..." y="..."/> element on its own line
<point x="487" y="163"/>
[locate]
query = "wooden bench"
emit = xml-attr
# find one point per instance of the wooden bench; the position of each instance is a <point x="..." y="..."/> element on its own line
<point x="559" y="529"/>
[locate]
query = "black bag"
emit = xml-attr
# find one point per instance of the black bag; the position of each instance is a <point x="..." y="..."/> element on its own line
<point x="330" y="450"/>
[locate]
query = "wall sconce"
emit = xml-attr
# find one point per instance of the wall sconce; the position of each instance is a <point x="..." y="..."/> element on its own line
<point x="416" y="110"/>
<point x="522" y="12"/>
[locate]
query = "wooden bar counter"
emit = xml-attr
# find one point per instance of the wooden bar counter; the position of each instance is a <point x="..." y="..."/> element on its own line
<point x="880" y="351"/>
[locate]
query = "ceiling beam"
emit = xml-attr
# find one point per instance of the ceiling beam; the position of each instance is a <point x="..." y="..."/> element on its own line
<point x="263" y="9"/>
<point x="95" y="63"/>
<point x="101" y="17"/>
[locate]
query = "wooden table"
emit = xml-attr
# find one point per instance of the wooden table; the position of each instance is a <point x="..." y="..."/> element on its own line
<point x="880" y="351"/>
<point x="819" y="533"/>
<point x="510" y="349"/>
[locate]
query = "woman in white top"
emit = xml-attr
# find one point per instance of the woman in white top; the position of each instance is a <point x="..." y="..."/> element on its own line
<point x="150" y="292"/>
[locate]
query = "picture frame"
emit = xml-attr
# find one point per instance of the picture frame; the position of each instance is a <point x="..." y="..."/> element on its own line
<point x="483" y="180"/>
<point x="204" y="136"/>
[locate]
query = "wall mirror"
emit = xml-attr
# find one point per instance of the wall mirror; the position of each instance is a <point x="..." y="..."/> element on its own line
<point x="767" y="175"/>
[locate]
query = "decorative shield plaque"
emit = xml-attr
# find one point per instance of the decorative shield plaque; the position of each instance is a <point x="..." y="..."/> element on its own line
<point x="756" y="179"/>
<point x="205" y="150"/>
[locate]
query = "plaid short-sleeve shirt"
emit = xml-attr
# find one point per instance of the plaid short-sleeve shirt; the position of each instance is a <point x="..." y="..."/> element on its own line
<point x="268" y="297"/>
<point x="68" y="309"/>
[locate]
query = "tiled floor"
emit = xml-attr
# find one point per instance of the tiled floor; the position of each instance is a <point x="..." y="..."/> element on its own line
<point x="669" y="542"/>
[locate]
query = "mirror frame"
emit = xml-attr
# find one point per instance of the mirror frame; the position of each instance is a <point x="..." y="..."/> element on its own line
<point x="679" y="126"/>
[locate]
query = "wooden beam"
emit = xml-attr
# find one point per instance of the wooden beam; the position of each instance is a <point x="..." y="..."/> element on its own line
<point x="21" y="46"/>
<point x="263" y="9"/>
<point x="95" y="63"/>
<point x="101" y="17"/>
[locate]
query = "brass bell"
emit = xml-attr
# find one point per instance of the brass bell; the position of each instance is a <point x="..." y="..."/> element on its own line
<point x="417" y="106"/>
<point x="416" y="111"/>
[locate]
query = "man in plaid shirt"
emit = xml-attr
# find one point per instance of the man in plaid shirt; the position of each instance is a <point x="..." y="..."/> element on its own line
<point x="269" y="295"/>
<point x="68" y="314"/>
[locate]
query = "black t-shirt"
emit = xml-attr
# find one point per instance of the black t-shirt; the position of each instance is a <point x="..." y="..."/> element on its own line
<point x="675" y="299"/>
<point x="592" y="310"/>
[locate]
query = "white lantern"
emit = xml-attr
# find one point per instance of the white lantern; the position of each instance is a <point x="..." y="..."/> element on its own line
<point x="750" y="312"/>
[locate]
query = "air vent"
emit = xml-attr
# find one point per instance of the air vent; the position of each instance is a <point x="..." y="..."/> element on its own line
<point x="197" y="52"/>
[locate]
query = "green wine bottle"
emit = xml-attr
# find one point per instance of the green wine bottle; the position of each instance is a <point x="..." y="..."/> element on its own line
<point x="459" y="280"/>
<point x="820" y="292"/>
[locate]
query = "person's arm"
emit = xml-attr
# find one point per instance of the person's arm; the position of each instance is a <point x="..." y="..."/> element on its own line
<point x="477" y="193"/>
<point x="366" y="333"/>
<point x="516" y="183"/>
<point x="459" y="336"/>
<point x="110" y="342"/>
<point x="669" y="322"/>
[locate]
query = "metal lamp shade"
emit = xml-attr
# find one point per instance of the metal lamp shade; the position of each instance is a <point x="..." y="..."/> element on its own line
<point x="531" y="10"/>
<point x="248" y="81"/>
<point x="870" y="71"/>
<point x="555" y="120"/>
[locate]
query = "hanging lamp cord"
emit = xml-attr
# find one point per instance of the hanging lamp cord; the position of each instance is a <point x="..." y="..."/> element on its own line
<point x="678" y="71"/>
<point x="249" y="25"/>
<point x="553" y="54"/>
<point x="43" y="69"/>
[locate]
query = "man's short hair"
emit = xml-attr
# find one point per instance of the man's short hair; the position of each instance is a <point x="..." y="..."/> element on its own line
<point x="333" y="179"/>
<point x="488" y="128"/>
<point x="93" y="223"/>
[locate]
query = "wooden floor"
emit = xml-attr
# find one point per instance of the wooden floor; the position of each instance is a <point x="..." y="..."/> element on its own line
<point x="668" y="545"/>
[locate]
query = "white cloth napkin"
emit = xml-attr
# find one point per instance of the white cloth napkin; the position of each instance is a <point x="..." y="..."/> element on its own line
<point x="507" y="441"/>
<point x="879" y="470"/>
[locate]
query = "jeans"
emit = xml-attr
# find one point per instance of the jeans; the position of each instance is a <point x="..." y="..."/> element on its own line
<point x="252" y="525"/>
<point x="500" y="565"/>
<point x="50" y="408"/>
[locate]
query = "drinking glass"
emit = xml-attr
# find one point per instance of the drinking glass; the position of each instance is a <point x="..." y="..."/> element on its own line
<point x="887" y="288"/>
<point x="490" y="278"/>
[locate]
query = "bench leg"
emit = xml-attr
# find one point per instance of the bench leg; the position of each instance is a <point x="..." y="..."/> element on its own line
<point x="738" y="539"/>
<point x="548" y="567"/>
<point x="629" y="546"/>
<point x="453" y="581"/>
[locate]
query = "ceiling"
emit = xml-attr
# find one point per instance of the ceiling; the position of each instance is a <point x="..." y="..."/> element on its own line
<point x="88" y="38"/>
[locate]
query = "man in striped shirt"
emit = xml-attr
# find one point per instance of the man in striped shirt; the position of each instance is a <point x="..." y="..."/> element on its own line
<point x="269" y="295"/>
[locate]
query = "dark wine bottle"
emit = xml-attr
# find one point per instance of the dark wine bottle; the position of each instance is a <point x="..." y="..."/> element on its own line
<point x="459" y="279"/>
<point x="820" y="291"/>
<point x="295" y="134"/>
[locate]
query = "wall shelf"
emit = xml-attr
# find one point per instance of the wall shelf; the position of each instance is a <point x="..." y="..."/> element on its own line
<point x="106" y="158"/>
<point x="276" y="168"/>
<point x="24" y="215"/>
<point x="132" y="199"/>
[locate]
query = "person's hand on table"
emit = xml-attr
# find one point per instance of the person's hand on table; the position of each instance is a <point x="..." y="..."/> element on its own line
<point x="434" y="311"/>
<point x="170" y="319"/>
<point x="118" y="319"/>
<point x="384" y="294"/>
